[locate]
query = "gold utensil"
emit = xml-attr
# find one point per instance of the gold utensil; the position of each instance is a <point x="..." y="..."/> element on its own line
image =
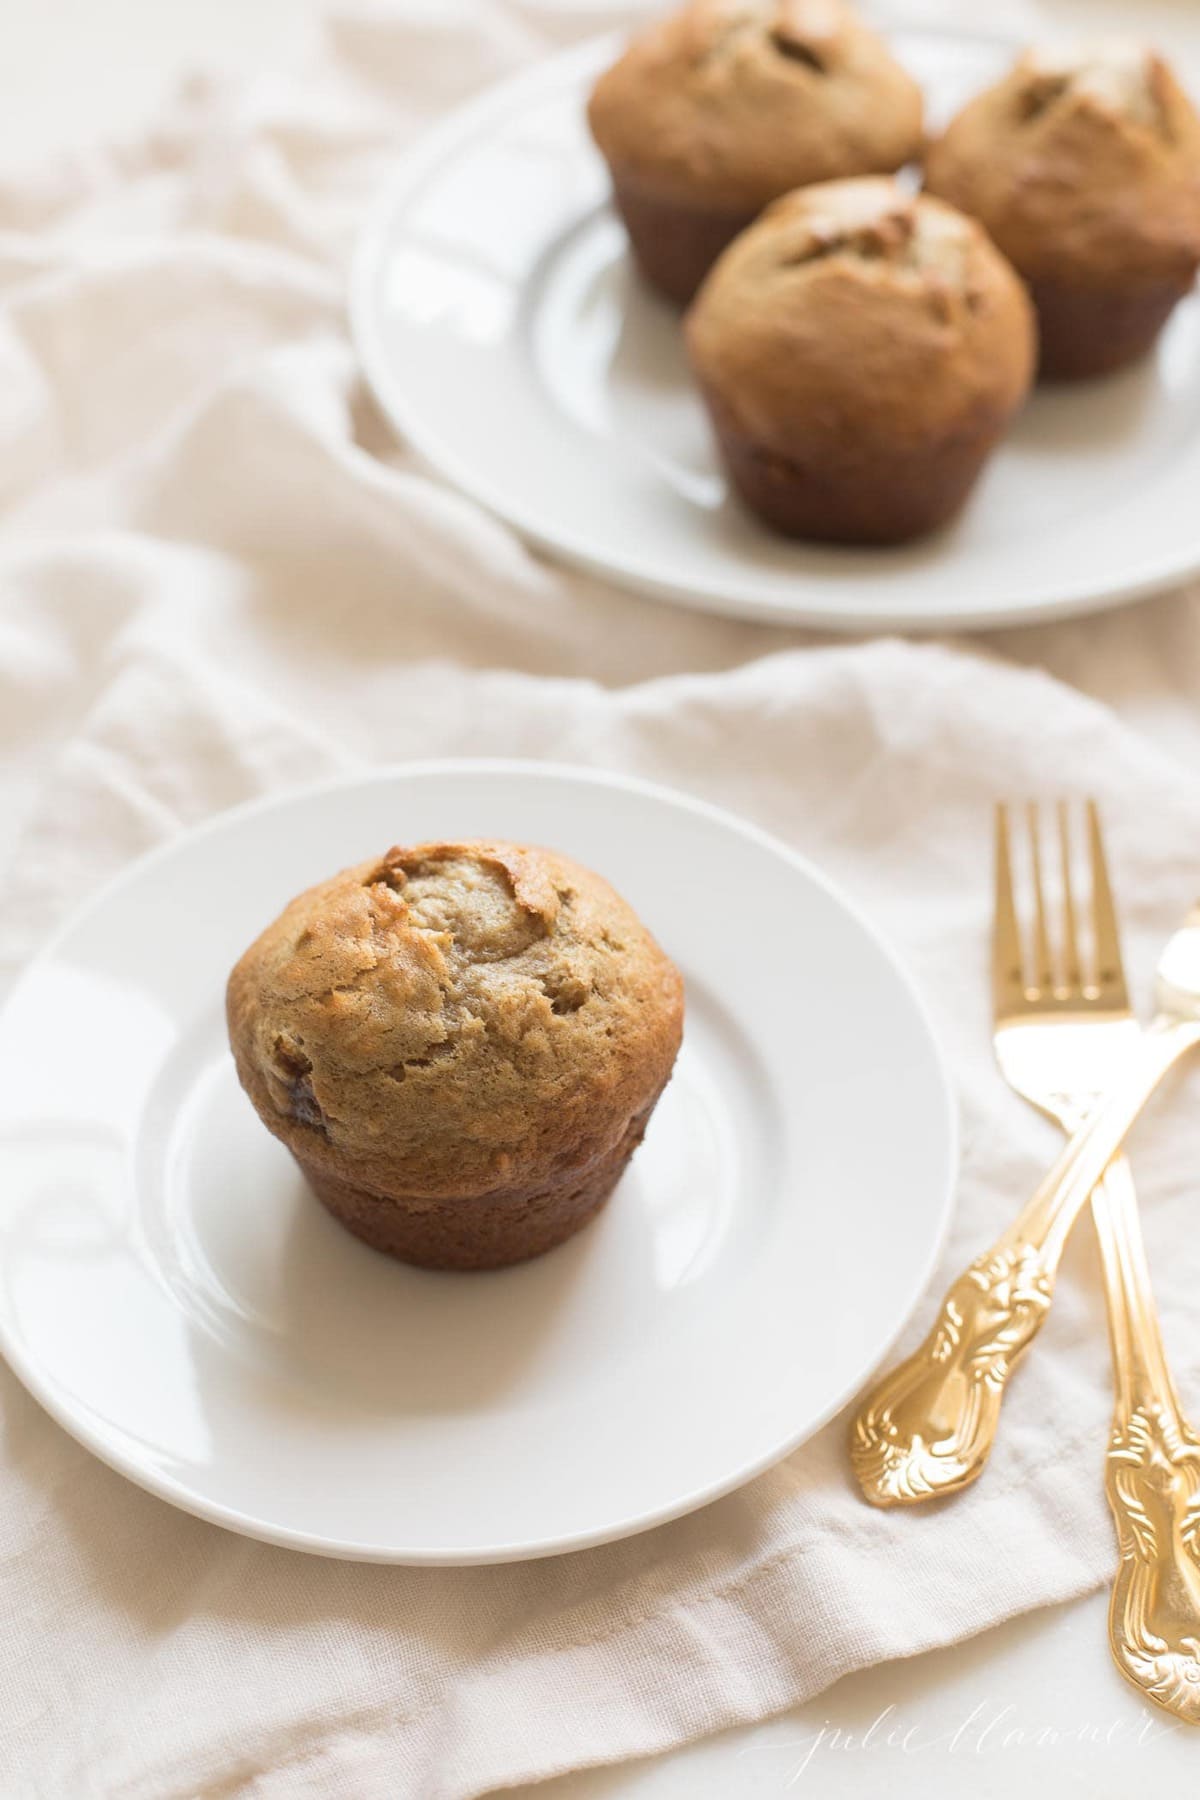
<point x="927" y="1427"/>
<point x="1151" y="1478"/>
<point x="1054" y="1059"/>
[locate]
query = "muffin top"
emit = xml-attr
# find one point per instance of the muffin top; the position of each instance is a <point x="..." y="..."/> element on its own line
<point x="854" y="310"/>
<point x="1082" y="164"/>
<point x="454" y="1016"/>
<point x="729" y="103"/>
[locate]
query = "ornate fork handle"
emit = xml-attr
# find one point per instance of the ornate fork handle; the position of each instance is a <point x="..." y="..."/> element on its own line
<point x="928" y="1427"/>
<point x="1152" y="1479"/>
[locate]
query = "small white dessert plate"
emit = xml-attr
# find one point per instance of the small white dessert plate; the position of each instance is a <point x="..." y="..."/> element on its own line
<point x="173" y="1294"/>
<point x="504" y="334"/>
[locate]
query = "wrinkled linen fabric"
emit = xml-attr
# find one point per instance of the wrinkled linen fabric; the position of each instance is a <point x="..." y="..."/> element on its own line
<point x="220" y="578"/>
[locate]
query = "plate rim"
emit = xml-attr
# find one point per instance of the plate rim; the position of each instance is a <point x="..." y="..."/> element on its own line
<point x="165" y="1486"/>
<point x="850" y="615"/>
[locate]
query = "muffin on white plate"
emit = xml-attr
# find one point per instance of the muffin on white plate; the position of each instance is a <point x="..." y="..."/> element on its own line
<point x="860" y="350"/>
<point x="461" y="1044"/>
<point x="716" y="110"/>
<point x="1084" y="166"/>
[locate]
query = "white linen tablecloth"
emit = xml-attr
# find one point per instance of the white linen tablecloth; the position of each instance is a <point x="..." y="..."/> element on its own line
<point x="218" y="577"/>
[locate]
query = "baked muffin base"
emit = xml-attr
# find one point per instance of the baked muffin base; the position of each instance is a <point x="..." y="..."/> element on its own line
<point x="860" y="497"/>
<point x="674" y="245"/>
<point x="477" y="1231"/>
<point x="1086" y="331"/>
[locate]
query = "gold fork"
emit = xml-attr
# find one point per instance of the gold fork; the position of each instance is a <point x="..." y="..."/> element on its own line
<point x="928" y="1427"/>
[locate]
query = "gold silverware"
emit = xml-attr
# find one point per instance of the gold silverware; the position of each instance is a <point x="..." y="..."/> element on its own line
<point x="927" y="1428"/>
<point x="1057" y="1059"/>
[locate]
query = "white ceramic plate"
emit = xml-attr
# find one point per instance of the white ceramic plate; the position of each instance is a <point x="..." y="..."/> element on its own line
<point x="175" y="1297"/>
<point x="504" y="334"/>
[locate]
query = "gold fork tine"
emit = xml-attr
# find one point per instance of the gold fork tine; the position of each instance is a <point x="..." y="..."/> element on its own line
<point x="1043" y="973"/>
<point x="1008" y="972"/>
<point x="1072" y="967"/>
<point x="1109" y="970"/>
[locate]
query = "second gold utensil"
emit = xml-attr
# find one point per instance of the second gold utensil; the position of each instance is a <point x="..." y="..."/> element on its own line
<point x="928" y="1427"/>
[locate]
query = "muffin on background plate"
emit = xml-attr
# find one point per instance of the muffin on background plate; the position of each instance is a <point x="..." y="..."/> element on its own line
<point x="461" y="1044"/>
<point x="720" y="108"/>
<point x="860" y="351"/>
<point x="1084" y="166"/>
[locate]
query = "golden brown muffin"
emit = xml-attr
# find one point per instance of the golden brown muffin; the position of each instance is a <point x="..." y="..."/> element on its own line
<point x="860" y="350"/>
<point x="719" y="109"/>
<point x="461" y="1044"/>
<point x="1085" y="169"/>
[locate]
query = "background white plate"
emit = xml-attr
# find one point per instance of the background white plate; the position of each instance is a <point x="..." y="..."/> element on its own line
<point x="503" y="332"/>
<point x="176" y="1298"/>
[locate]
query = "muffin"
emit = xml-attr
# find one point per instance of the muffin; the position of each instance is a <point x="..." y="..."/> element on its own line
<point x="461" y="1045"/>
<point x="719" y="109"/>
<point x="860" y="350"/>
<point x="1085" y="169"/>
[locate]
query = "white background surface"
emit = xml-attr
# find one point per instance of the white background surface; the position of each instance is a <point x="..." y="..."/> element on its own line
<point x="1033" y="1707"/>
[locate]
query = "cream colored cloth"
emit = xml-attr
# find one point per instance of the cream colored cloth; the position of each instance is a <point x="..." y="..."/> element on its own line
<point x="218" y="578"/>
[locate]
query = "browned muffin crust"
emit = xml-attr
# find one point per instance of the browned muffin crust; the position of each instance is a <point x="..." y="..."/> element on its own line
<point x="860" y="350"/>
<point x="1084" y="166"/>
<point x="461" y="1045"/>
<point x="725" y="105"/>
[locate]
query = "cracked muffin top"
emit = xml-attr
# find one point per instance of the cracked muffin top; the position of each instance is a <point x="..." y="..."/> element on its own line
<point x="462" y="1015"/>
<point x="853" y="307"/>
<point x="1080" y="163"/>
<point x="729" y="103"/>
